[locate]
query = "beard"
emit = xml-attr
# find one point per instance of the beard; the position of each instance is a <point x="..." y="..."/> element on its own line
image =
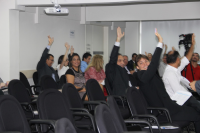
<point x="194" y="60"/>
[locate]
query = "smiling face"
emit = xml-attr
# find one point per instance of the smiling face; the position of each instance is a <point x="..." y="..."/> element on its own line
<point x="125" y="60"/>
<point x="75" y="61"/>
<point x="143" y="64"/>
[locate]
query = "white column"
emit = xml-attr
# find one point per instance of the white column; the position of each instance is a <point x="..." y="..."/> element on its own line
<point x="9" y="36"/>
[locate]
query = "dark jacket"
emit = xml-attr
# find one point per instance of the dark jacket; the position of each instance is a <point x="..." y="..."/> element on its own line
<point x="153" y="87"/>
<point x="116" y="75"/>
<point x="130" y="65"/>
<point x="44" y="69"/>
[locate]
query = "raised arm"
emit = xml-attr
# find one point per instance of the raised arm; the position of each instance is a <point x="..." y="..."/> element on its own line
<point x="42" y="61"/>
<point x="191" y="50"/>
<point x="165" y="49"/>
<point x="115" y="50"/>
<point x="152" y="68"/>
<point x="65" y="56"/>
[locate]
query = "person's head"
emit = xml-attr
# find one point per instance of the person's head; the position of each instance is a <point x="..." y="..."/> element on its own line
<point x="86" y="57"/>
<point x="173" y="59"/>
<point x="164" y="58"/>
<point x="134" y="55"/>
<point x="142" y="62"/>
<point x="149" y="56"/>
<point x="97" y="63"/>
<point x="75" y="60"/>
<point x="60" y="60"/>
<point x="50" y="60"/>
<point x="195" y="57"/>
<point x="120" y="60"/>
<point x="125" y="60"/>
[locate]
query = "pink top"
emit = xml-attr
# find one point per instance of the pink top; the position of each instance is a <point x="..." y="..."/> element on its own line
<point x="91" y="73"/>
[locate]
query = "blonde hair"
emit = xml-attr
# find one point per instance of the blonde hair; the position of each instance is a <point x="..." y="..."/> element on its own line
<point x="97" y="63"/>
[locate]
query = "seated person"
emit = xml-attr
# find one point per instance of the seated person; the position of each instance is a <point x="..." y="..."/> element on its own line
<point x="192" y="70"/>
<point x="95" y="70"/>
<point x="128" y="69"/>
<point x="172" y="75"/>
<point x="63" y="61"/>
<point x="153" y="89"/>
<point x="85" y="61"/>
<point x="44" y="66"/>
<point x="2" y="84"/>
<point x="75" y="76"/>
<point x="149" y="55"/>
<point x="131" y="64"/>
<point x="115" y="72"/>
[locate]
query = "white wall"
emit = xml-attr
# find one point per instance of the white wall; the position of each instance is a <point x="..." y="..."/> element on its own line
<point x="132" y="38"/>
<point x="170" y="31"/>
<point x="33" y="37"/>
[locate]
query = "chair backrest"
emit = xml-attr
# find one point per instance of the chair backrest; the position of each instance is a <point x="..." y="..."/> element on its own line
<point x="48" y="82"/>
<point x="108" y="88"/>
<point x="72" y="96"/>
<point x="136" y="101"/>
<point x="104" y="120"/>
<point x="51" y="105"/>
<point x="17" y="89"/>
<point x="94" y="90"/>
<point x="64" y="125"/>
<point x="12" y="115"/>
<point x="24" y="80"/>
<point x="114" y="108"/>
<point x="1" y="92"/>
<point x="35" y="78"/>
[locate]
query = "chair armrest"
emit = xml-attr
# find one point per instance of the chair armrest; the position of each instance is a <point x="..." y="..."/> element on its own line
<point x="149" y="116"/>
<point x="88" y="115"/>
<point x="119" y="97"/>
<point x="34" y="101"/>
<point x="91" y="102"/>
<point x="163" y="109"/>
<point x="40" y="121"/>
<point x="35" y="86"/>
<point x="139" y="121"/>
<point x="80" y="109"/>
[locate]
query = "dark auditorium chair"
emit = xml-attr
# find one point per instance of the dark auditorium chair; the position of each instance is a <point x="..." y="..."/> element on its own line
<point x="108" y="88"/>
<point x="13" y="119"/>
<point x="126" y="124"/>
<point x="35" y="78"/>
<point x="31" y="88"/>
<point x="1" y="92"/>
<point x="63" y="80"/>
<point x="64" y="125"/>
<point x="139" y="109"/>
<point x="48" y="82"/>
<point x="52" y="106"/>
<point x="106" y="123"/>
<point x="17" y="89"/>
<point x="95" y="93"/>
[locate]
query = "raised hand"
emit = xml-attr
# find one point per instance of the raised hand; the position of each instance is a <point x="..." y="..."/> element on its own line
<point x="146" y="53"/>
<point x="158" y="36"/>
<point x="193" y="40"/>
<point x="166" y="46"/>
<point x="173" y="49"/>
<point x="67" y="46"/>
<point x="72" y="50"/>
<point x="119" y="34"/>
<point x="50" y="40"/>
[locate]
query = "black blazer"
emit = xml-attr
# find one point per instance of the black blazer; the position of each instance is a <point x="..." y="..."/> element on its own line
<point x="153" y="87"/>
<point x="44" y="69"/>
<point x="116" y="75"/>
<point x="130" y="65"/>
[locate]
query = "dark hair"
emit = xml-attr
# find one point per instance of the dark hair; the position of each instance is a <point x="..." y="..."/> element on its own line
<point x="60" y="59"/>
<point x="74" y="54"/>
<point x="171" y="58"/>
<point x="48" y="56"/>
<point x="139" y="57"/>
<point x="134" y="54"/>
<point x="86" y="55"/>
<point x="119" y="54"/>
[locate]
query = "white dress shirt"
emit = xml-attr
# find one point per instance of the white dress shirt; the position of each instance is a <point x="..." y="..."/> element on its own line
<point x="161" y="68"/>
<point x="172" y="78"/>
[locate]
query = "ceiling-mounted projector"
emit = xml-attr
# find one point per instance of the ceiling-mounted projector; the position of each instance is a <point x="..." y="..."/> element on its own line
<point x="56" y="10"/>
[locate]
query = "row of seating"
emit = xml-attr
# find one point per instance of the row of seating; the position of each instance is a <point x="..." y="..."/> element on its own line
<point x="109" y="116"/>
